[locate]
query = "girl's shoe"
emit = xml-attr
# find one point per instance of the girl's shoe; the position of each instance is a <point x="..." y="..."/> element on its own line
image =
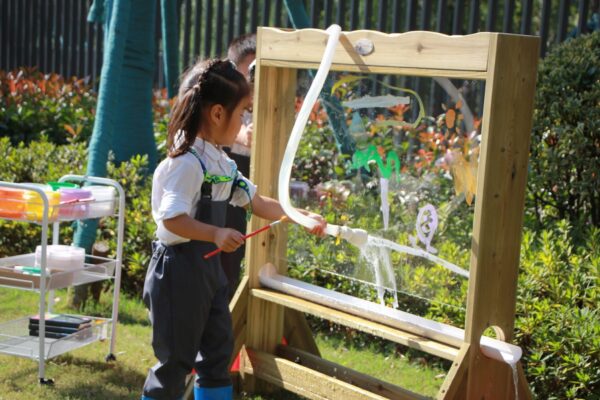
<point x="213" y="393"/>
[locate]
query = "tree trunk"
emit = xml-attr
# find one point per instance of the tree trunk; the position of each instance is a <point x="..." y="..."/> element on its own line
<point x="123" y="121"/>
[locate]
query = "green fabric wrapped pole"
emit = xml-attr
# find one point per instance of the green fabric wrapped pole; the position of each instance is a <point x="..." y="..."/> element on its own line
<point x="115" y="15"/>
<point x="123" y="123"/>
<point x="332" y="105"/>
<point x="170" y="34"/>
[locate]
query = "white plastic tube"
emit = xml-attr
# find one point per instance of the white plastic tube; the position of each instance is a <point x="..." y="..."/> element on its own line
<point x="493" y="348"/>
<point x="358" y="237"/>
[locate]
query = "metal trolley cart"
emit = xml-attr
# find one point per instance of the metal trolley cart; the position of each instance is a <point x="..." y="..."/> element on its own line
<point x="15" y="338"/>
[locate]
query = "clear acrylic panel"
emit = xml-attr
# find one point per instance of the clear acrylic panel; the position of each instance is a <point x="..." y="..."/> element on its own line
<point x="398" y="157"/>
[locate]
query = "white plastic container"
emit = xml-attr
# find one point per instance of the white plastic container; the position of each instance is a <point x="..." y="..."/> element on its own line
<point x="104" y="201"/>
<point x="61" y="257"/>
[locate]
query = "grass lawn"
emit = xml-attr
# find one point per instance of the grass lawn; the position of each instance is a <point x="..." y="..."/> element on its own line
<point x="83" y="373"/>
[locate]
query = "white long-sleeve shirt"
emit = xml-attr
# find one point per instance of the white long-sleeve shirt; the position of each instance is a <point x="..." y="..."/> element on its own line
<point x="177" y="183"/>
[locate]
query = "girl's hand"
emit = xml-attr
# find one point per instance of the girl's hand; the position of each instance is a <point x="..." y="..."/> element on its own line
<point x="228" y="239"/>
<point x="318" y="229"/>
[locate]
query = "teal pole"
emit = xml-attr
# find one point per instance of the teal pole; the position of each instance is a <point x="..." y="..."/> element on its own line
<point x="115" y="15"/>
<point x="123" y="122"/>
<point x="170" y="32"/>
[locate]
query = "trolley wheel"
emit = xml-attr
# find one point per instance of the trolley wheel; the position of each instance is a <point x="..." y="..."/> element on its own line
<point x="110" y="357"/>
<point x="46" y="382"/>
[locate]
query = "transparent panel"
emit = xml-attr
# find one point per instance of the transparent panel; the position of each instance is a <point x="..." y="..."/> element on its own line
<point x="396" y="156"/>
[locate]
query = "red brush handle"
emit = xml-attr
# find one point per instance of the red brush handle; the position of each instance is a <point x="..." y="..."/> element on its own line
<point x="256" y="232"/>
<point x="212" y="253"/>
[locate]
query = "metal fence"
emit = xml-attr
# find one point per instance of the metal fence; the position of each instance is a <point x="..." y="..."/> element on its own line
<point x="54" y="36"/>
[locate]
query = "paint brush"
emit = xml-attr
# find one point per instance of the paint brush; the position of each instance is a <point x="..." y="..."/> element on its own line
<point x="256" y="232"/>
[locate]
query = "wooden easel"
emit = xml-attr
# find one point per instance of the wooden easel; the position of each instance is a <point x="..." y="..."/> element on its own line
<point x="507" y="63"/>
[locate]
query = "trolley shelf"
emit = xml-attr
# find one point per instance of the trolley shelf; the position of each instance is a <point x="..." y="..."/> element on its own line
<point x="95" y="269"/>
<point x="15" y="339"/>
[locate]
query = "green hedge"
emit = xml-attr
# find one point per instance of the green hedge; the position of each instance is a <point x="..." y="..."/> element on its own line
<point x="564" y="178"/>
<point x="33" y="105"/>
<point x="558" y="320"/>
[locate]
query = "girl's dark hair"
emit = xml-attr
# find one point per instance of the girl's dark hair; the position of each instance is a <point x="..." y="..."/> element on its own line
<point x="209" y="82"/>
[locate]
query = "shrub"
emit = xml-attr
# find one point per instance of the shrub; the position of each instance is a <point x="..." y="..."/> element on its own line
<point x="33" y="105"/>
<point x="558" y="321"/>
<point x="564" y="179"/>
<point x="160" y="111"/>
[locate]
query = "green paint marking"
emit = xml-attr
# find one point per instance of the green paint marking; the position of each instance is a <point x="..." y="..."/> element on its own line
<point x="363" y="158"/>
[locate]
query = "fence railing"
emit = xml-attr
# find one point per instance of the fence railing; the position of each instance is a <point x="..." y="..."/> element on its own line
<point x="54" y="35"/>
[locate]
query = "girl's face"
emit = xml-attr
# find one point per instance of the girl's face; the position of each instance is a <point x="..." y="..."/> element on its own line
<point x="233" y="124"/>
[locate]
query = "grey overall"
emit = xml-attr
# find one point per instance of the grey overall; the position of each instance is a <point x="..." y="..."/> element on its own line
<point x="188" y="301"/>
<point x="236" y="219"/>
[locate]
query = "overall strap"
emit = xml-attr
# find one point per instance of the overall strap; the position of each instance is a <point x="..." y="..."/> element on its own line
<point x="242" y="184"/>
<point x="206" y="189"/>
<point x="209" y="179"/>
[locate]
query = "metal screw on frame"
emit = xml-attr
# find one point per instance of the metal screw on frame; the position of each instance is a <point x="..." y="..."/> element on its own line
<point x="364" y="47"/>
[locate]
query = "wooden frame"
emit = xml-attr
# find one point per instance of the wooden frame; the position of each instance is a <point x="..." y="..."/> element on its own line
<point x="508" y="64"/>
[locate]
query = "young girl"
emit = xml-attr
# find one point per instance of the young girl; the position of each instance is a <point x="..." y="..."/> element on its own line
<point x="186" y="294"/>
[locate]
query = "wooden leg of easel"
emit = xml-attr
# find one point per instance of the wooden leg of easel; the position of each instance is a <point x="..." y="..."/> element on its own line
<point x="239" y="316"/>
<point x="264" y="331"/>
<point x="489" y="378"/>
<point x="455" y="384"/>
<point x="297" y="332"/>
<point x="485" y="379"/>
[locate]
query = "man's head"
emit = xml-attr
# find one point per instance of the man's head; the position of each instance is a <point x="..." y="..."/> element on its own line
<point x="242" y="51"/>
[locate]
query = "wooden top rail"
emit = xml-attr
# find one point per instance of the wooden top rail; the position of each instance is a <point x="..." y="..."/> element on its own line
<point x="431" y="53"/>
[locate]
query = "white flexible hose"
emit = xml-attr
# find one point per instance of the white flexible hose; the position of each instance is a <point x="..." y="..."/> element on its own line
<point x="357" y="237"/>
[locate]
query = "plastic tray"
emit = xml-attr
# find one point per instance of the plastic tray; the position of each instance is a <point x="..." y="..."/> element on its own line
<point x="11" y="277"/>
<point x="95" y="269"/>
